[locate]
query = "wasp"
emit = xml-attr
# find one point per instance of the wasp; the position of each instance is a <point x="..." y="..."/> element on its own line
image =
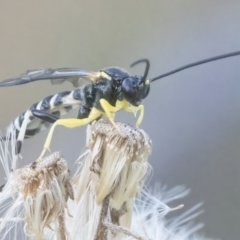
<point x="96" y="94"/>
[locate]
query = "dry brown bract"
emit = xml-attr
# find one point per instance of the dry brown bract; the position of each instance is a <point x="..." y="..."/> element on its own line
<point x="45" y="188"/>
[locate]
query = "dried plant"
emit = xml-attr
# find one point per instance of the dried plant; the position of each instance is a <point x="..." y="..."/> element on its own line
<point x="104" y="200"/>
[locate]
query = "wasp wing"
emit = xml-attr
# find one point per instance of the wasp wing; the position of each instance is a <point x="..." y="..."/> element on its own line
<point x="56" y="76"/>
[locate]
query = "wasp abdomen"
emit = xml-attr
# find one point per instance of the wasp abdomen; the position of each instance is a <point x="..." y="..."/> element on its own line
<point x="58" y="105"/>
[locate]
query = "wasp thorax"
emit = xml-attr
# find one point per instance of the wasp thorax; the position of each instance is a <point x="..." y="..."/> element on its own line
<point x="134" y="90"/>
<point x="116" y="72"/>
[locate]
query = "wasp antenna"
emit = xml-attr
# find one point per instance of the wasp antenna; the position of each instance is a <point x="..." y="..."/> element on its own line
<point x="196" y="64"/>
<point x="146" y="69"/>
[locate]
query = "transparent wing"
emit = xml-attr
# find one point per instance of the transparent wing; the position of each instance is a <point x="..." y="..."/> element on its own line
<point x="76" y="76"/>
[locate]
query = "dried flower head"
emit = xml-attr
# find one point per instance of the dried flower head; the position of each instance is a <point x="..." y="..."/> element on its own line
<point x="110" y="202"/>
<point x="114" y="169"/>
<point x="42" y="191"/>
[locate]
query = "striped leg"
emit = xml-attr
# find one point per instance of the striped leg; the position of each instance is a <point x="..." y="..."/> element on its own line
<point x="45" y="116"/>
<point x="22" y="131"/>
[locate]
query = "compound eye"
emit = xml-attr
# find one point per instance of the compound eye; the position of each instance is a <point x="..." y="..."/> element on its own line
<point x="128" y="86"/>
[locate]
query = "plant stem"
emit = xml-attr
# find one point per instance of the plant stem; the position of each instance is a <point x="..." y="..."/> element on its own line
<point x="101" y="230"/>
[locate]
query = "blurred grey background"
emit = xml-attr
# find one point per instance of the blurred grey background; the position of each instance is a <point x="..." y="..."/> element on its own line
<point x="193" y="117"/>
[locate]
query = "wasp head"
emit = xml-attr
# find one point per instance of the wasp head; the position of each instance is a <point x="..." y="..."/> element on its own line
<point x="134" y="89"/>
<point x="131" y="88"/>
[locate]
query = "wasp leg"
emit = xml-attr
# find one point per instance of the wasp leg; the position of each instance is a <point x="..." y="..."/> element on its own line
<point x="36" y="113"/>
<point x="22" y="132"/>
<point x="70" y="123"/>
<point x="135" y="109"/>
<point x="45" y="116"/>
<point x="111" y="110"/>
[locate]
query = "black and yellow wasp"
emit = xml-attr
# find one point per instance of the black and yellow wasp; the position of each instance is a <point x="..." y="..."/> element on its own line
<point x="97" y="93"/>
